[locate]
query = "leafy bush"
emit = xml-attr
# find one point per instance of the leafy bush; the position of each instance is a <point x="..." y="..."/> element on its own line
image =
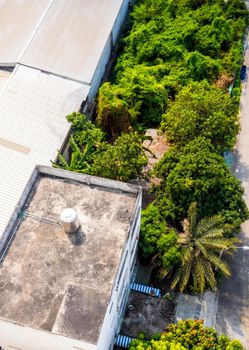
<point x="171" y="43"/>
<point x="201" y="109"/>
<point x="186" y="335"/>
<point x="123" y="160"/>
<point x="198" y="173"/>
<point x="156" y="238"/>
<point x="90" y="153"/>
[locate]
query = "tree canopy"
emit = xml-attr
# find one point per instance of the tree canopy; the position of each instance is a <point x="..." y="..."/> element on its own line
<point x="90" y="153"/>
<point x="202" y="109"/>
<point x="186" y="335"/>
<point x="157" y="239"/>
<point x="168" y="45"/>
<point x="201" y="243"/>
<point x="197" y="173"/>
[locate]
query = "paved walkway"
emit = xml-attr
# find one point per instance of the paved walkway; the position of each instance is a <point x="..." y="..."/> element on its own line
<point x="197" y="307"/>
<point x="233" y="306"/>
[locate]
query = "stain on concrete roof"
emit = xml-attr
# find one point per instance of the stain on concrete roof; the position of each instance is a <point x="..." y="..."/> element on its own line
<point x="58" y="282"/>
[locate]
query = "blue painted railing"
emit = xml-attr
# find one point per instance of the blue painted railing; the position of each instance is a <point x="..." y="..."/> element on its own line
<point x="137" y="287"/>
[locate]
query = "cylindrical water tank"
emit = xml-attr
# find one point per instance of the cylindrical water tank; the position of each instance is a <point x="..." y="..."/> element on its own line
<point x="69" y="220"/>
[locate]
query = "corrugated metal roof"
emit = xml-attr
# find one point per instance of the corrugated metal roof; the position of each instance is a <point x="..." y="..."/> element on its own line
<point x="4" y="76"/>
<point x="65" y="38"/>
<point x="33" y="126"/>
<point x="19" y="20"/>
<point x="72" y="37"/>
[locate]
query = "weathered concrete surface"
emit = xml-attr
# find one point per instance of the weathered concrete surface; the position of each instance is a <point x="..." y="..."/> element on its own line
<point x="198" y="307"/>
<point x="233" y="306"/>
<point x="188" y="307"/>
<point x="233" y="309"/>
<point x="51" y="280"/>
<point x="209" y="307"/>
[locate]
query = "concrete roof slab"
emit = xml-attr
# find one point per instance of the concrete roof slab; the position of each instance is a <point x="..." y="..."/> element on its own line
<point x="49" y="279"/>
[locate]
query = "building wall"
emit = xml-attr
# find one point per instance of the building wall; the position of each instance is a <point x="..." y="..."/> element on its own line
<point x="16" y="337"/>
<point x="106" y="54"/>
<point x="121" y="288"/>
<point x="100" y="70"/>
<point x="119" y="21"/>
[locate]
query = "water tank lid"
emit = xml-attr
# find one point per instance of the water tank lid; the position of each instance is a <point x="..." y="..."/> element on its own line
<point x="68" y="215"/>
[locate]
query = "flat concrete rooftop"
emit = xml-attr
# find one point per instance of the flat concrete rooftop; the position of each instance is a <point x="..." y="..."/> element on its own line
<point x="62" y="283"/>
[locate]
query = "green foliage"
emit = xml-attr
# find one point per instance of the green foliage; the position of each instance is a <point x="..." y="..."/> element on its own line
<point x="114" y="116"/>
<point x="123" y="160"/>
<point x="138" y="97"/>
<point x="201" y="67"/>
<point x="90" y="153"/>
<point x="156" y="238"/>
<point x="198" y="173"/>
<point x="201" y="245"/>
<point x="84" y="131"/>
<point x="186" y="335"/>
<point x="80" y="159"/>
<point x="201" y="109"/>
<point x="171" y="43"/>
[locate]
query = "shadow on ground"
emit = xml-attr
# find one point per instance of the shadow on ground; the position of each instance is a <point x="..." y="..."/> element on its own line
<point x="147" y="314"/>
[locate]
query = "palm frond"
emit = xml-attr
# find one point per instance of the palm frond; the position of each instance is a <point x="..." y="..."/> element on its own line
<point x="187" y="253"/>
<point x="176" y="278"/>
<point x="192" y="218"/>
<point x="185" y="275"/>
<point x="201" y="248"/>
<point x="219" y="264"/>
<point x="201" y="245"/>
<point x="209" y="275"/>
<point x="207" y="224"/>
<point x="199" y="275"/>
<point x="219" y="244"/>
<point x="213" y="233"/>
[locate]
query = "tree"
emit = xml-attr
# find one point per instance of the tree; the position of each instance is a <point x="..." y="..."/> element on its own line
<point x="80" y="160"/>
<point x="169" y="44"/>
<point x="198" y="173"/>
<point x="186" y="335"/>
<point x="113" y="114"/>
<point x="202" y="109"/>
<point x="84" y="131"/>
<point x="91" y="154"/>
<point x="202" y="67"/>
<point x="138" y="98"/>
<point x="123" y="160"/>
<point x="157" y="240"/>
<point x="201" y="245"/>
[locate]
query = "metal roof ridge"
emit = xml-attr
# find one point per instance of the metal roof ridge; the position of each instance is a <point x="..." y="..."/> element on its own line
<point x="56" y="74"/>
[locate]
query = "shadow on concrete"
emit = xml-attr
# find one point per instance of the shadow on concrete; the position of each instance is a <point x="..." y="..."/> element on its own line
<point x="147" y="314"/>
<point x="77" y="238"/>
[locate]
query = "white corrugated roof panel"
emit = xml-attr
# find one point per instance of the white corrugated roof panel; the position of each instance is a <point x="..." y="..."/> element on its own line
<point x="4" y="76"/>
<point x="33" y="107"/>
<point x="19" y="19"/>
<point x="72" y="37"/>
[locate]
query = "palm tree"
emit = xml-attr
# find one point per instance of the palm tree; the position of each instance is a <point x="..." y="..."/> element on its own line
<point x="202" y="244"/>
<point x="80" y="158"/>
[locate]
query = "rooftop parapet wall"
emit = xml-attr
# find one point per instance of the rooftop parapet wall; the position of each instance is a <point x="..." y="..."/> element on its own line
<point x="54" y="281"/>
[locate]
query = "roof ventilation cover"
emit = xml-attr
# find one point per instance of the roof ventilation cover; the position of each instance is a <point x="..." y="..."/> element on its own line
<point x="69" y="220"/>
